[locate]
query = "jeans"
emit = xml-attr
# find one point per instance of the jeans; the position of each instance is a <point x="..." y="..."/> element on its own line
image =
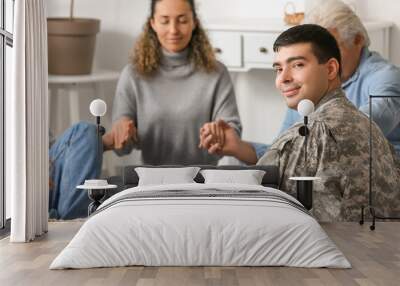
<point x="74" y="158"/>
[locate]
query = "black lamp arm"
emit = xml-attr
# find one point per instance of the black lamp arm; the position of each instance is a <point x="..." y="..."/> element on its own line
<point x="100" y="132"/>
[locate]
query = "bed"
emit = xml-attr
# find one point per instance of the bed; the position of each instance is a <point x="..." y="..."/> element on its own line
<point x="201" y="224"/>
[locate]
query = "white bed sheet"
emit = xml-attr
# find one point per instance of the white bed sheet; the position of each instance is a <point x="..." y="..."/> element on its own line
<point x="200" y="232"/>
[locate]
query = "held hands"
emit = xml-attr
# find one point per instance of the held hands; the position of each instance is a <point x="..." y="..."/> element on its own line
<point x="219" y="138"/>
<point x="212" y="137"/>
<point x="122" y="131"/>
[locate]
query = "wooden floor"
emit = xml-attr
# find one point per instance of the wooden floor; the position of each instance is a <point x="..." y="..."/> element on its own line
<point x="375" y="257"/>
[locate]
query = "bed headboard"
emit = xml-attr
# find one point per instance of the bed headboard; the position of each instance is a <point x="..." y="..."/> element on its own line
<point x="270" y="179"/>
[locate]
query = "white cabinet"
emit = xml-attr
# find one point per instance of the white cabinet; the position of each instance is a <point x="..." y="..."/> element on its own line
<point x="245" y="44"/>
<point x="258" y="48"/>
<point x="227" y="47"/>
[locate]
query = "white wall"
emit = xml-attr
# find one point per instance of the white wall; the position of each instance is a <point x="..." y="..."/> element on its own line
<point x="246" y="9"/>
<point x="261" y="108"/>
<point x="388" y="10"/>
<point x="357" y="5"/>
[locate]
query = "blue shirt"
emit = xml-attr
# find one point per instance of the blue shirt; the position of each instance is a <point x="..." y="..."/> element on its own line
<point x="374" y="76"/>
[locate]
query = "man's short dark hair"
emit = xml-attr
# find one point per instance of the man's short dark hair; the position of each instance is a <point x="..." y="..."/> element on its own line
<point x="323" y="44"/>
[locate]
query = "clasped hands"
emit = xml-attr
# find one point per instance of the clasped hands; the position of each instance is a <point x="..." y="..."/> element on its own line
<point x="222" y="139"/>
<point x="219" y="138"/>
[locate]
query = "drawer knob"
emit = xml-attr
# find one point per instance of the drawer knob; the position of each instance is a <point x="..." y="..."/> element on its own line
<point x="263" y="50"/>
<point x="217" y="51"/>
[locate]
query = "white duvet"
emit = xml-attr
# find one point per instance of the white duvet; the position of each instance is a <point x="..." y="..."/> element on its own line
<point x="207" y="230"/>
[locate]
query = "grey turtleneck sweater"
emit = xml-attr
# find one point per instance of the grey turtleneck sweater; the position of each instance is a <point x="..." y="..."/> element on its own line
<point x="170" y="107"/>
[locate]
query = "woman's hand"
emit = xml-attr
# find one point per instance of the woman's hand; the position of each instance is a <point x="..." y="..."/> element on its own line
<point x="212" y="136"/>
<point x="122" y="131"/>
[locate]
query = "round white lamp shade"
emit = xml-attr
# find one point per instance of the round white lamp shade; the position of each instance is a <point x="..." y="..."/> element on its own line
<point x="98" y="107"/>
<point x="305" y="107"/>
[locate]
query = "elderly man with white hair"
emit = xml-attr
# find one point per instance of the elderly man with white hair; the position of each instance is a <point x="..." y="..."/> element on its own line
<point x="364" y="72"/>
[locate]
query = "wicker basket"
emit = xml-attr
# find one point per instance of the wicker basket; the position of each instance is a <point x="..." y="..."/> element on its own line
<point x="293" y="17"/>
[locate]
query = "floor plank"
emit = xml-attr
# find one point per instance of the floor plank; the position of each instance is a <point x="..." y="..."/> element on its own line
<point x="375" y="257"/>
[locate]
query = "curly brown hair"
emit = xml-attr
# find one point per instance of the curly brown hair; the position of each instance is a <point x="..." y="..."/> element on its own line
<point x="146" y="54"/>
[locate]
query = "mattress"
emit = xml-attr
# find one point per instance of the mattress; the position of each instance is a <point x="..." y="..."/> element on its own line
<point x="201" y="225"/>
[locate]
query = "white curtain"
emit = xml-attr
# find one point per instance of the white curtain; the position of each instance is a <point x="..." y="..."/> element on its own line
<point x="27" y="124"/>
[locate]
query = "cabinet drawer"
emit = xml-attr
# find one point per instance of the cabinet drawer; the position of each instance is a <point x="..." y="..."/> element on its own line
<point x="258" y="48"/>
<point x="227" y="47"/>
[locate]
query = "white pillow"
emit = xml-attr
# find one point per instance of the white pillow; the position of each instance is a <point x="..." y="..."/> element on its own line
<point x="162" y="176"/>
<point x="248" y="177"/>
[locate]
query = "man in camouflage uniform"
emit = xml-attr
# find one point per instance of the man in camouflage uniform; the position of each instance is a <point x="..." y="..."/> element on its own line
<point x="307" y="66"/>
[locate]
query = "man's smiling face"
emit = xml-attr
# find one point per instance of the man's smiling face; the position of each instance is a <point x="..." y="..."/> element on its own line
<point x="299" y="75"/>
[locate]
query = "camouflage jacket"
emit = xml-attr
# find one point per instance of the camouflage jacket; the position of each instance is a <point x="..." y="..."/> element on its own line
<point x="338" y="153"/>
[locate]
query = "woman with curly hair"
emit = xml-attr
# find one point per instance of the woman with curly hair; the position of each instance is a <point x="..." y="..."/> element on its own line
<point x="172" y="87"/>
